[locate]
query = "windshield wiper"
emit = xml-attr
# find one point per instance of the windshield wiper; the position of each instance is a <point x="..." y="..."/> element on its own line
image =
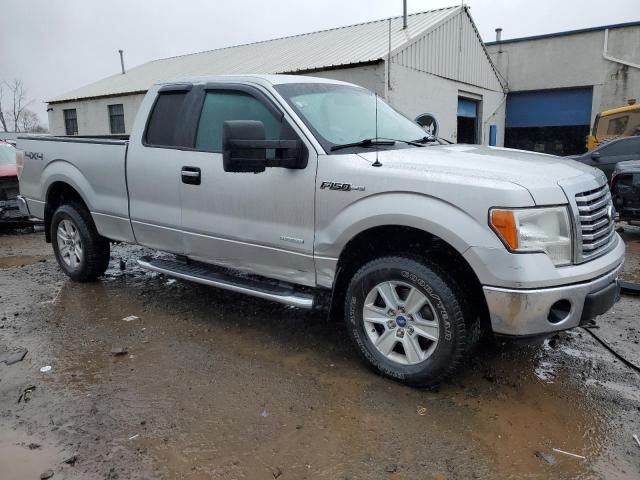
<point x="367" y="142"/>
<point x="426" y="139"/>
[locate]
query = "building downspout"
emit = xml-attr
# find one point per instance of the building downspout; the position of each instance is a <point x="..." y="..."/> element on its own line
<point x="613" y="59"/>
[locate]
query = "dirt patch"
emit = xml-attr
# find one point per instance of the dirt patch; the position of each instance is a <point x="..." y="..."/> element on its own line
<point x="219" y="385"/>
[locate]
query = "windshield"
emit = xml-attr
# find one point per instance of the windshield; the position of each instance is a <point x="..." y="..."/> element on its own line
<point x="342" y="114"/>
<point x="7" y="155"/>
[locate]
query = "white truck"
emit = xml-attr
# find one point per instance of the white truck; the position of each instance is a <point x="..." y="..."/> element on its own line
<point x="313" y="192"/>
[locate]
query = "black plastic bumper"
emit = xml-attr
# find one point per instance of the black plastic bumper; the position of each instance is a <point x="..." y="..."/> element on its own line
<point x="600" y="302"/>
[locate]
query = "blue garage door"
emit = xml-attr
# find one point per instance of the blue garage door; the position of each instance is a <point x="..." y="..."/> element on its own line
<point x="549" y="108"/>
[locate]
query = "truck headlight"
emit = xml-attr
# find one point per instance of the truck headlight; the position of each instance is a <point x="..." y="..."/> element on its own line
<point x="545" y="230"/>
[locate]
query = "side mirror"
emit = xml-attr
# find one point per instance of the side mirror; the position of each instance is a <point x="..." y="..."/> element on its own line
<point x="595" y="156"/>
<point x="244" y="148"/>
<point x="429" y="123"/>
<point x="241" y="149"/>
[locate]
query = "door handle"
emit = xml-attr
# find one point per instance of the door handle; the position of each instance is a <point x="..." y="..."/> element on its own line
<point x="191" y="175"/>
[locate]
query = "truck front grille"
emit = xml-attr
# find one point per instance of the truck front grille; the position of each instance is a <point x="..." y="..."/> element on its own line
<point x="596" y="228"/>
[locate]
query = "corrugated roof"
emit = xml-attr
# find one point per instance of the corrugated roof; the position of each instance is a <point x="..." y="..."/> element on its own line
<point x="566" y="32"/>
<point x="354" y="44"/>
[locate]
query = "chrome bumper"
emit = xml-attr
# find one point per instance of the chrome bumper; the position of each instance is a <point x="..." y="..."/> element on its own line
<point x="544" y="310"/>
<point x="23" y="206"/>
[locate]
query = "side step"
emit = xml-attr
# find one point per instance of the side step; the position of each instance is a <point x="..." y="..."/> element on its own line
<point x="208" y="275"/>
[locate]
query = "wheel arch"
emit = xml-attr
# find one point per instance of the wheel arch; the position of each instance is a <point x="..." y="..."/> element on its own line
<point x="59" y="192"/>
<point x="395" y="239"/>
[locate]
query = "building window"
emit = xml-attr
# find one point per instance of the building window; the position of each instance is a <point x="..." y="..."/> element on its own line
<point x="70" y="121"/>
<point x="116" y="118"/>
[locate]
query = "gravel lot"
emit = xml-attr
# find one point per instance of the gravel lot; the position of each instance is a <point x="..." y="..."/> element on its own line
<point x="215" y="385"/>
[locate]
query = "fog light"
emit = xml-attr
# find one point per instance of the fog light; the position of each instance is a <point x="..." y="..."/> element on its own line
<point x="559" y="311"/>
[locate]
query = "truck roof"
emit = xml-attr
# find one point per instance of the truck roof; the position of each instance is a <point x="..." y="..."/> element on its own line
<point x="272" y="79"/>
<point x="630" y="166"/>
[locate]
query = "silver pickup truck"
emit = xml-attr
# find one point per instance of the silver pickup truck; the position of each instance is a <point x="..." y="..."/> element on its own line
<point x="312" y="192"/>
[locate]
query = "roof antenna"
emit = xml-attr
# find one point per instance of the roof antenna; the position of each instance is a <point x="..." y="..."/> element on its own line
<point x="377" y="162"/>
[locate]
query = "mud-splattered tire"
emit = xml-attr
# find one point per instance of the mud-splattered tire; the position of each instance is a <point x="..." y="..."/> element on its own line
<point x="80" y="251"/>
<point x="421" y="340"/>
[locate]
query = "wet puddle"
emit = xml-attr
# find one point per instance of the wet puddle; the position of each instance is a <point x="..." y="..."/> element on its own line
<point x="20" y="260"/>
<point x="215" y="385"/>
<point x="22" y="458"/>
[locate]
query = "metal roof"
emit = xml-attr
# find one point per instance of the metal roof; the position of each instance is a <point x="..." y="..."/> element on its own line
<point x="343" y="46"/>
<point x="565" y="33"/>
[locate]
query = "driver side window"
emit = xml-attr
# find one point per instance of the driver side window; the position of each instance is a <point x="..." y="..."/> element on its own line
<point x="222" y="105"/>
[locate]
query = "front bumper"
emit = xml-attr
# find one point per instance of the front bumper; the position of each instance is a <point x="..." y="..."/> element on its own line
<point x="23" y="206"/>
<point x="544" y="310"/>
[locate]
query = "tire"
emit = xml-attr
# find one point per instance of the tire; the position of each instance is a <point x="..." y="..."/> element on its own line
<point x="73" y="223"/>
<point x="424" y="362"/>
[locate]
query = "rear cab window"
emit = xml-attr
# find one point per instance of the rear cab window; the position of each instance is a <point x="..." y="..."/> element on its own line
<point x="164" y="120"/>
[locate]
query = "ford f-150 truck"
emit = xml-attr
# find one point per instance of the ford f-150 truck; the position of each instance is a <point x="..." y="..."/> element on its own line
<point x="313" y="192"/>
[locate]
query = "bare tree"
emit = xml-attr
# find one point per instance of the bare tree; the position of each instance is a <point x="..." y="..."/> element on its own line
<point x="2" y="120"/>
<point x="30" y="122"/>
<point x="20" y="102"/>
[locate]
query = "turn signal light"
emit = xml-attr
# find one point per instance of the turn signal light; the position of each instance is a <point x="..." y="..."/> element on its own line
<point x="504" y="224"/>
<point x="19" y="162"/>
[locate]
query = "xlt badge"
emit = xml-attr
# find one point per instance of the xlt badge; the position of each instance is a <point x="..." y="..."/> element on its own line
<point x="345" y="187"/>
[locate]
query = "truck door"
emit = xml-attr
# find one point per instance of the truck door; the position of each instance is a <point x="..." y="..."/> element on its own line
<point x="258" y="222"/>
<point x="156" y="153"/>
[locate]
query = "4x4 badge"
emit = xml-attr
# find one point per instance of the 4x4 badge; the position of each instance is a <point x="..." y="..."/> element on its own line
<point x="345" y="187"/>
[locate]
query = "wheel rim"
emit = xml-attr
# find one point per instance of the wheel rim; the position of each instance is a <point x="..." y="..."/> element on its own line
<point x="401" y="322"/>
<point x="70" y="244"/>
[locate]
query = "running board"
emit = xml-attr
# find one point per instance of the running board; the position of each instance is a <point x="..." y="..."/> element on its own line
<point x="207" y="275"/>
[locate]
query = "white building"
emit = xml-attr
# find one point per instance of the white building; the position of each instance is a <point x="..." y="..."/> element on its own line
<point x="558" y="83"/>
<point x="436" y="64"/>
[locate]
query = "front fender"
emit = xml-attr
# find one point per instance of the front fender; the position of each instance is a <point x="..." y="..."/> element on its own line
<point x="429" y="214"/>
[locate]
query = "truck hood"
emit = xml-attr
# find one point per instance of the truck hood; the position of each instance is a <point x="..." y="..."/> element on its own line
<point x="539" y="173"/>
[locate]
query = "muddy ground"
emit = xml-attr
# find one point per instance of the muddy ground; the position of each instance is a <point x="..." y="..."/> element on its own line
<point x="215" y="385"/>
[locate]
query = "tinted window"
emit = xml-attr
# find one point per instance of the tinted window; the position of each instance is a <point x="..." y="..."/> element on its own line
<point x="220" y="106"/>
<point x="629" y="146"/>
<point x="163" y="123"/>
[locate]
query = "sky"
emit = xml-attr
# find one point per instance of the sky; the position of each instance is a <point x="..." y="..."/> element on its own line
<point x="54" y="46"/>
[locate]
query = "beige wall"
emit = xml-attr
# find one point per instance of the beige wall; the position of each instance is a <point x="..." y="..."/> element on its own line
<point x="574" y="61"/>
<point x="93" y="115"/>
<point x="414" y="92"/>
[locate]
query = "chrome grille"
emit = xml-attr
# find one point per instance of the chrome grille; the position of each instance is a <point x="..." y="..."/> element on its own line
<point x="596" y="229"/>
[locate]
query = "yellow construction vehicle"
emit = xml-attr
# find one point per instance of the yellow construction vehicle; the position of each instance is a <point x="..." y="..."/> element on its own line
<point x="614" y="123"/>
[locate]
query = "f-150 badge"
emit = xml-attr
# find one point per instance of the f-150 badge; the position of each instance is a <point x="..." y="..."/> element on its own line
<point x="344" y="187"/>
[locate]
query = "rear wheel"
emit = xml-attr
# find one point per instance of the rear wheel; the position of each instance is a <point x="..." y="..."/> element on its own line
<point x="80" y="251"/>
<point x="406" y="318"/>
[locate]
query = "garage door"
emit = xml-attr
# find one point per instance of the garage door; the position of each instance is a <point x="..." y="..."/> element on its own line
<point x="550" y="121"/>
<point x="549" y="108"/>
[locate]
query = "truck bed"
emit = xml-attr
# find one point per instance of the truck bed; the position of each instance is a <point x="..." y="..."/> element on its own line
<point x="95" y="166"/>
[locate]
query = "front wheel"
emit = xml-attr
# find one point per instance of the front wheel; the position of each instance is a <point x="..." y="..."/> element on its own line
<point x="80" y="251"/>
<point x="406" y="318"/>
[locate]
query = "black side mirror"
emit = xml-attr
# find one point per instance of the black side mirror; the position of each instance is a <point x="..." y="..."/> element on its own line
<point x="244" y="148"/>
<point x="237" y="155"/>
<point x="595" y="156"/>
